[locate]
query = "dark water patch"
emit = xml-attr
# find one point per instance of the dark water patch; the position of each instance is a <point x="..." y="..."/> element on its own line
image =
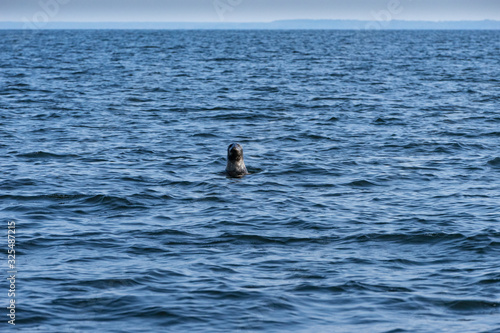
<point x="495" y="162"/>
<point x="240" y="116"/>
<point x="416" y="238"/>
<point x="104" y="284"/>
<point x="348" y="287"/>
<point x="157" y="90"/>
<point x="92" y="159"/>
<point x="493" y="120"/>
<point x="267" y="89"/>
<point x="254" y="170"/>
<point x="47" y="116"/>
<point x="260" y="240"/>
<point x="465" y="306"/>
<point x="474" y="306"/>
<point x="226" y="59"/>
<point x="110" y="202"/>
<point x="45" y="155"/>
<point x="12" y="184"/>
<point x="141" y="151"/>
<point x="206" y="135"/>
<point x="163" y="232"/>
<point x="329" y="98"/>
<point x="491" y="134"/>
<point x="43" y="197"/>
<point x="361" y="183"/>
<point x="388" y="121"/>
<point x="139" y="100"/>
<point x="137" y="179"/>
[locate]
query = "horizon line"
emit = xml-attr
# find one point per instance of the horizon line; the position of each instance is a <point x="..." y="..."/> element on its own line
<point x="288" y="24"/>
<point x="263" y="22"/>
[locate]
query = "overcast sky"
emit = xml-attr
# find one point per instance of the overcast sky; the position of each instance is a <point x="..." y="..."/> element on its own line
<point x="245" y="10"/>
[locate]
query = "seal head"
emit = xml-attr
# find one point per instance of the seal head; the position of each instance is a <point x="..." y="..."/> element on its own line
<point x="235" y="165"/>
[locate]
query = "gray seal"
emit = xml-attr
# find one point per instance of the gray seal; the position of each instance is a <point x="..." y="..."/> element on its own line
<point x="235" y="165"/>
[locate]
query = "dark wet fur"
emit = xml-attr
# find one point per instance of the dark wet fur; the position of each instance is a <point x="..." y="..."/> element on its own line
<point x="235" y="164"/>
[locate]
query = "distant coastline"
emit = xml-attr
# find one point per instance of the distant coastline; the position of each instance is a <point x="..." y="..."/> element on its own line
<point x="275" y="25"/>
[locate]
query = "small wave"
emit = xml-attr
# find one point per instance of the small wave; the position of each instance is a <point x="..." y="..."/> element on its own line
<point x="9" y="184"/>
<point x="13" y="90"/>
<point x="328" y="98"/>
<point x="463" y="305"/>
<point x="45" y="155"/>
<point x="105" y="283"/>
<point x="138" y="100"/>
<point x="267" y="89"/>
<point x="226" y="59"/>
<point x="350" y="287"/>
<point x="169" y="232"/>
<point x="495" y="162"/>
<point x="388" y="121"/>
<point x="472" y="305"/>
<point x="259" y="239"/>
<point x="81" y="72"/>
<point x="254" y="170"/>
<point x="442" y="149"/>
<point x="87" y="203"/>
<point x="361" y="183"/>
<point x="47" y="116"/>
<point x="106" y="199"/>
<point x="156" y="89"/>
<point x="314" y="136"/>
<point x="418" y="237"/>
<point x="242" y="116"/>
<point x="205" y="135"/>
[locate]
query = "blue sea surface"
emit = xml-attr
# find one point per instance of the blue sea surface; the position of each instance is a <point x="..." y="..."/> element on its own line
<point x="373" y="203"/>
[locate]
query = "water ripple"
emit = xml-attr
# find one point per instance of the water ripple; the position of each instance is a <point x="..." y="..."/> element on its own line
<point x="371" y="204"/>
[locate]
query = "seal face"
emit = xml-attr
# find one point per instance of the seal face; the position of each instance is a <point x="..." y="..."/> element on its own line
<point x="235" y="165"/>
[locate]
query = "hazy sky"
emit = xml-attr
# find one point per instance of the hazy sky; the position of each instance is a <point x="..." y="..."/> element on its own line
<point x="245" y="10"/>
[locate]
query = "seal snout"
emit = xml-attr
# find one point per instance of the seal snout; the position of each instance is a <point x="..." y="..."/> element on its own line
<point x="234" y="152"/>
<point x="235" y="164"/>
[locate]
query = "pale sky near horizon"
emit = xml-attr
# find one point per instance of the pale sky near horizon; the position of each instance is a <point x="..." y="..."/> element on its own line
<point x="245" y="10"/>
